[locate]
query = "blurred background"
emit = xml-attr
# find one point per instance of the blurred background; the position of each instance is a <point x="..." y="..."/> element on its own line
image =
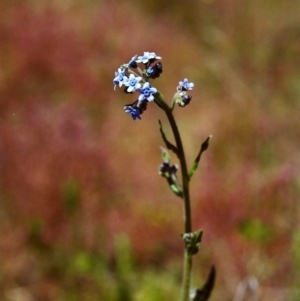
<point x="84" y="214"/>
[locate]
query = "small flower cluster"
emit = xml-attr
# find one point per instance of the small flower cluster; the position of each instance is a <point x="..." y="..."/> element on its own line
<point x="181" y="97"/>
<point x="168" y="172"/>
<point x="132" y="77"/>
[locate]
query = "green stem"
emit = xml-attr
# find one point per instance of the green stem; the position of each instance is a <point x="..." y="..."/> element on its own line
<point x="187" y="265"/>
<point x="187" y="269"/>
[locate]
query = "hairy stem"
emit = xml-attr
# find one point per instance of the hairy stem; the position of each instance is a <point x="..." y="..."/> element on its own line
<point x="187" y="265"/>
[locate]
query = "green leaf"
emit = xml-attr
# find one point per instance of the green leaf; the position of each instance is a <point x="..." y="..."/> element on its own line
<point x="204" y="147"/>
<point x="165" y="155"/>
<point x="204" y="293"/>
<point x="176" y="189"/>
<point x="168" y="144"/>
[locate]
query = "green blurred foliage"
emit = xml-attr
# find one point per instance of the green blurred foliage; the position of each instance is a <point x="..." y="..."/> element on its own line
<point x="256" y="230"/>
<point x="71" y="195"/>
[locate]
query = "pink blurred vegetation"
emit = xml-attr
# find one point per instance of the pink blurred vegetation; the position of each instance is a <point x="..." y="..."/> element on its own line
<point x="76" y="171"/>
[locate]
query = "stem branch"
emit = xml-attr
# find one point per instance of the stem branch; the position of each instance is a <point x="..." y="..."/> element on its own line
<point x="187" y="265"/>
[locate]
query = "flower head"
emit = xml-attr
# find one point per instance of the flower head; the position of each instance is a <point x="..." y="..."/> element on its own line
<point x="148" y="57"/>
<point x="182" y="98"/>
<point x="154" y="71"/>
<point x="185" y="85"/>
<point x="134" y="112"/>
<point x="136" y="109"/>
<point x="132" y="63"/>
<point x="168" y="171"/>
<point x="133" y="83"/>
<point x="120" y="78"/>
<point x="146" y="92"/>
<point x="185" y="100"/>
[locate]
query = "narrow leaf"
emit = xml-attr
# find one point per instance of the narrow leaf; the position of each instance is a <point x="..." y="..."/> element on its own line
<point x="176" y="189"/>
<point x="165" y="155"/>
<point x="204" y="147"/>
<point x="204" y="293"/>
<point x="169" y="145"/>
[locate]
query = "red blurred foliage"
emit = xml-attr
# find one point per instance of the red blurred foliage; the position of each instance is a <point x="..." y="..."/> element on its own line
<point x="75" y="170"/>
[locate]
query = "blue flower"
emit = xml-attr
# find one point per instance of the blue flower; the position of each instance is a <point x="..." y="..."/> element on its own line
<point x="146" y="92"/>
<point x="134" y="112"/>
<point x="120" y="78"/>
<point x="136" y="108"/>
<point x="147" y="57"/>
<point x="133" y="83"/>
<point x="185" y="85"/>
<point x="132" y="63"/>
